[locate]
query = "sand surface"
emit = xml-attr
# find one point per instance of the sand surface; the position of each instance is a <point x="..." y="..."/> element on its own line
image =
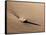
<point x="34" y="12"/>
